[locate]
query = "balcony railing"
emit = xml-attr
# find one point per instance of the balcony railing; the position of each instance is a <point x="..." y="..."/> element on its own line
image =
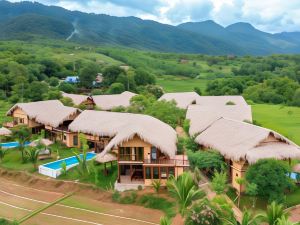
<point x="130" y="157"/>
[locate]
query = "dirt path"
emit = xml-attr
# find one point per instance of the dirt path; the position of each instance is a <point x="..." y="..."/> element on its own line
<point x="295" y="214"/>
<point x="17" y="201"/>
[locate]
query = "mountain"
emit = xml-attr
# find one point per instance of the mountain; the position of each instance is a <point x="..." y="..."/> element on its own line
<point x="25" y="20"/>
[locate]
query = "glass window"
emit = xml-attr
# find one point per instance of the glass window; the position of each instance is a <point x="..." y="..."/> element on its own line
<point x="163" y="172"/>
<point x="140" y="153"/>
<point x="148" y="172"/>
<point x="75" y="140"/>
<point x="171" y="171"/>
<point x="153" y="153"/>
<point x="155" y="173"/>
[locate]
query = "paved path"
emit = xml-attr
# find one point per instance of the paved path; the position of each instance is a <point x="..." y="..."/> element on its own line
<point x="17" y="201"/>
<point x="295" y="214"/>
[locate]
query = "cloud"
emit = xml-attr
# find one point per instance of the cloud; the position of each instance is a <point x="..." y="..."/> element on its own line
<point x="268" y="15"/>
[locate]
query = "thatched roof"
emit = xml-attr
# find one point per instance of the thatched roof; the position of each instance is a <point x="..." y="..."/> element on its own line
<point x="52" y="112"/>
<point x="183" y="99"/>
<point x="221" y="100"/>
<point x="4" y="131"/>
<point x="107" y="102"/>
<point x="243" y="141"/>
<point x="108" y="157"/>
<point x="42" y="141"/>
<point x="124" y="126"/>
<point x="77" y="99"/>
<point x="202" y="116"/>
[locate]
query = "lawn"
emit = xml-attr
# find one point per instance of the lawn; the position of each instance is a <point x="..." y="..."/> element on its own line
<point x="13" y="160"/>
<point x="283" y="119"/>
<point x="181" y="84"/>
<point x="292" y="199"/>
<point x="96" y="175"/>
<point x="4" y="107"/>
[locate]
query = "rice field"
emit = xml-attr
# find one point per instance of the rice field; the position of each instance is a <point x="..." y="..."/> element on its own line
<point x="283" y="119"/>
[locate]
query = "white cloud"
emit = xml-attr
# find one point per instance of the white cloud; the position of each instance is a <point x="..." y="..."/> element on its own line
<point x="268" y="15"/>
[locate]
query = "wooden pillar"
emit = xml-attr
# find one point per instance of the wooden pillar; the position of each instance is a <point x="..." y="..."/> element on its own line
<point x="119" y="180"/>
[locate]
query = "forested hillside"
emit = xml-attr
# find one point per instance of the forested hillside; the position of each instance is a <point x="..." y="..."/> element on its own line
<point x="33" y="71"/>
<point x="31" y="21"/>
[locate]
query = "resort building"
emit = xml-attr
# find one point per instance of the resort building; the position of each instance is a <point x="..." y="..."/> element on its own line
<point x="77" y="100"/>
<point x="108" y="102"/>
<point x="202" y="116"/>
<point x="50" y="115"/>
<point x="182" y="99"/>
<point x="242" y="144"/>
<point x="145" y="146"/>
<point x="221" y="100"/>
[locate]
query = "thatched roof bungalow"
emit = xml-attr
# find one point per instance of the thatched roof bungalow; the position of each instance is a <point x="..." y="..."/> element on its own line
<point x="49" y="113"/>
<point x="241" y="141"/>
<point x="79" y="99"/>
<point x="202" y="116"/>
<point x="108" y="102"/>
<point x="122" y="127"/>
<point x="221" y="100"/>
<point x="182" y="99"/>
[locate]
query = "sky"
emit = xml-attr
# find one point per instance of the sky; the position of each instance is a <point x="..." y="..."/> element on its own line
<point x="267" y="15"/>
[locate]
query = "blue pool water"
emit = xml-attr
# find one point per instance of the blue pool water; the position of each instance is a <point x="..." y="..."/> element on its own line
<point x="12" y="144"/>
<point x="69" y="161"/>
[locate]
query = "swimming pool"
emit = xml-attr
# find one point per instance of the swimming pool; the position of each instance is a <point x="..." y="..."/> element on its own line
<point x="12" y="144"/>
<point x="53" y="169"/>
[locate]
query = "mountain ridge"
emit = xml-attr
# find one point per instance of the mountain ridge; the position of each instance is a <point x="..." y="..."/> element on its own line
<point x="206" y="37"/>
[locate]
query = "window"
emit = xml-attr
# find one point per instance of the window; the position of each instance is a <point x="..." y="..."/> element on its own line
<point x="148" y="172"/>
<point x="21" y="120"/>
<point x="140" y="153"/>
<point x="155" y="173"/>
<point x="171" y="171"/>
<point x="163" y="172"/>
<point x="65" y="137"/>
<point x="153" y="153"/>
<point x="75" y="140"/>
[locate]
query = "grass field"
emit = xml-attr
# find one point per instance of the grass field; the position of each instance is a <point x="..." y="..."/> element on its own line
<point x="4" y="106"/>
<point x="283" y="119"/>
<point x="180" y="84"/>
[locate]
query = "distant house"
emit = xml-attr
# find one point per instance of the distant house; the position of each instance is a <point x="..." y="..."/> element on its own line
<point x="108" y="102"/>
<point x="72" y="79"/>
<point x="80" y="100"/>
<point x="182" y="99"/>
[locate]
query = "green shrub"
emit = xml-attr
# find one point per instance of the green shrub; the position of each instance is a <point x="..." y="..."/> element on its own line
<point x="116" y="196"/>
<point x="140" y="187"/>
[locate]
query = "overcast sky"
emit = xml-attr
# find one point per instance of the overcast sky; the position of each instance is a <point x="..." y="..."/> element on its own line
<point x="267" y="15"/>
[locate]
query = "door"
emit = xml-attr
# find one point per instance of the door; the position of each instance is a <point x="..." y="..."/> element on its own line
<point x="153" y="153"/>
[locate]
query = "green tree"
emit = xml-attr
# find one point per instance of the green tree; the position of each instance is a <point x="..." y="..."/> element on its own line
<point x="271" y="178"/>
<point x="111" y="73"/>
<point x="183" y="189"/>
<point x="88" y="74"/>
<point x="2" y="153"/>
<point x="32" y="154"/>
<point x="66" y="87"/>
<point x="82" y="159"/>
<point x="274" y="213"/>
<point x="156" y="184"/>
<point x="53" y="81"/>
<point x="296" y="98"/>
<point x="247" y="219"/>
<point x="54" y="94"/>
<point x="143" y="78"/>
<point x="67" y="101"/>
<point x="219" y="182"/>
<point x="22" y="134"/>
<point x="116" y="88"/>
<point x="37" y="91"/>
<point x="251" y="190"/>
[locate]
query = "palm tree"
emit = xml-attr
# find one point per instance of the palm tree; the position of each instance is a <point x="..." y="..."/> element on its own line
<point x="82" y="160"/>
<point x="285" y="221"/>
<point x="32" y="155"/>
<point x="22" y="134"/>
<point x="247" y="219"/>
<point x="164" y="221"/>
<point x="183" y="189"/>
<point x="274" y="213"/>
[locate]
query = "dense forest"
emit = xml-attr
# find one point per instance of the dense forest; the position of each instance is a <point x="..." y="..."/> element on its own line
<point x="32" y="71"/>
